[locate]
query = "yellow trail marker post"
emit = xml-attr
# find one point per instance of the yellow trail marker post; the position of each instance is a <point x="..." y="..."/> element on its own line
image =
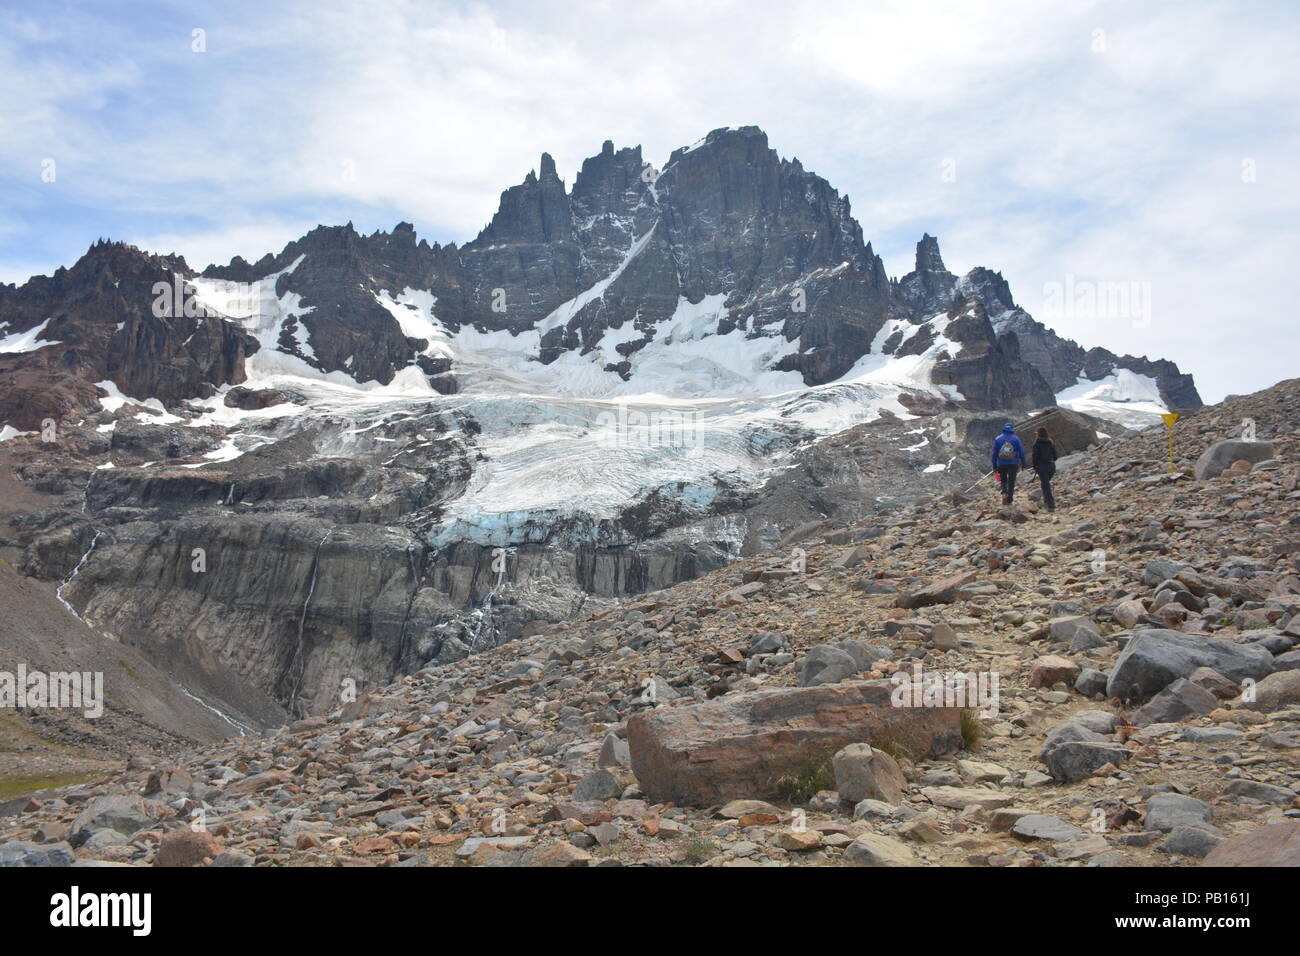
<point x="1170" y="418"/>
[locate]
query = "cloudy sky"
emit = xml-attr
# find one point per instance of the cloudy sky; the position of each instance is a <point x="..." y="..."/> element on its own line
<point x="1145" y="150"/>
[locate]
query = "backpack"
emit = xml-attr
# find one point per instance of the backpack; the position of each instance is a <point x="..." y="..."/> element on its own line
<point x="1007" y="453"/>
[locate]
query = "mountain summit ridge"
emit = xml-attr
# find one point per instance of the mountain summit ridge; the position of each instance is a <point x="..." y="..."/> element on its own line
<point x="727" y="238"/>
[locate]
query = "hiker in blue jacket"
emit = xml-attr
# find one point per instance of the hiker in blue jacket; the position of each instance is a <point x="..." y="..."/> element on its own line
<point x="1008" y="459"/>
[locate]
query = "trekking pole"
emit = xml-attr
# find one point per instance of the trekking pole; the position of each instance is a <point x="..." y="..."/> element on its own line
<point x="982" y="477"/>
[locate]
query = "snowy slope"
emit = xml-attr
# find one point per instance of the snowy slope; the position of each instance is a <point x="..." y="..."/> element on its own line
<point x="28" y="341"/>
<point x="1125" y="397"/>
<point x="568" y="441"/>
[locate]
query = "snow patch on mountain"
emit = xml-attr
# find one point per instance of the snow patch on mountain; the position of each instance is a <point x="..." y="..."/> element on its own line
<point x="264" y="314"/>
<point x="907" y="371"/>
<point x="413" y="312"/>
<point x="24" y="341"/>
<point x="562" y="313"/>
<point x="157" y="414"/>
<point x="1124" y="397"/>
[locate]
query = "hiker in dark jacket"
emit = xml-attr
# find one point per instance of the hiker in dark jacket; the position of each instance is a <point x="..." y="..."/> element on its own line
<point x="1008" y="459"/>
<point x="1044" y="457"/>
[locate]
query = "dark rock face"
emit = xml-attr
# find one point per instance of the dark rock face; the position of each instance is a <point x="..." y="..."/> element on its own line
<point x="1059" y="362"/>
<point x="529" y="251"/>
<point x="103" y="324"/>
<point x="989" y="288"/>
<point x="253" y="399"/>
<point x="988" y="370"/>
<point x="1177" y="389"/>
<point x="1062" y="362"/>
<point x="337" y="274"/>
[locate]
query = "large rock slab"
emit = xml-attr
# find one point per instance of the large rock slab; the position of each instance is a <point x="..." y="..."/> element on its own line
<point x="959" y="798"/>
<point x="1216" y="459"/>
<point x="1154" y="659"/>
<point x="740" y="746"/>
<point x="1275" y="845"/>
<point x="1042" y="826"/>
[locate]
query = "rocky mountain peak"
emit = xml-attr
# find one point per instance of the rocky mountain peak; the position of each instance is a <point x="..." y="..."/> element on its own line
<point x="928" y="258"/>
<point x="929" y="287"/>
<point x="547" y="167"/>
<point x="990" y="288"/>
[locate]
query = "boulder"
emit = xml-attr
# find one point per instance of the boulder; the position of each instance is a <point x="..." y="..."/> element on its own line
<point x="233" y="858"/>
<point x="742" y="745"/>
<point x="826" y="665"/>
<point x="1274" y="845"/>
<point x="1179" y="700"/>
<point x="797" y="841"/>
<point x="119" y="814"/>
<point x="737" y="809"/>
<point x="1049" y="670"/>
<point x="1090" y="682"/>
<point x="1064" y="629"/>
<point x="766" y="643"/>
<point x="872" y="849"/>
<point x="1043" y="826"/>
<point x="1263" y="792"/>
<point x="1222" y="454"/>
<point x="21" y="853"/>
<point x="943" y="591"/>
<point x="1160" y="570"/>
<point x="1272" y="693"/>
<point x="555" y="854"/>
<point x="1098" y="721"/>
<point x="1189" y="841"/>
<point x="1154" y="659"/>
<point x="865" y="654"/>
<point x="1128" y="613"/>
<point x="1289" y="661"/>
<point x="186" y="847"/>
<point x="613" y="752"/>
<point x="1165" y="811"/>
<point x="1072" y="752"/>
<point x="944" y="637"/>
<point x="959" y="798"/>
<point x="599" y="785"/>
<point x="1215" y="682"/>
<point x="863" y="772"/>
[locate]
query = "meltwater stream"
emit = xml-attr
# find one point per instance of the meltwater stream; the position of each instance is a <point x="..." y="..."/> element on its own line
<point x="58" y="592"/>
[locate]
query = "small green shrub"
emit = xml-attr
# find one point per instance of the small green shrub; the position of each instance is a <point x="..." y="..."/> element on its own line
<point x="701" y="850"/>
<point x="802" y="785"/>
<point x="972" y="731"/>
